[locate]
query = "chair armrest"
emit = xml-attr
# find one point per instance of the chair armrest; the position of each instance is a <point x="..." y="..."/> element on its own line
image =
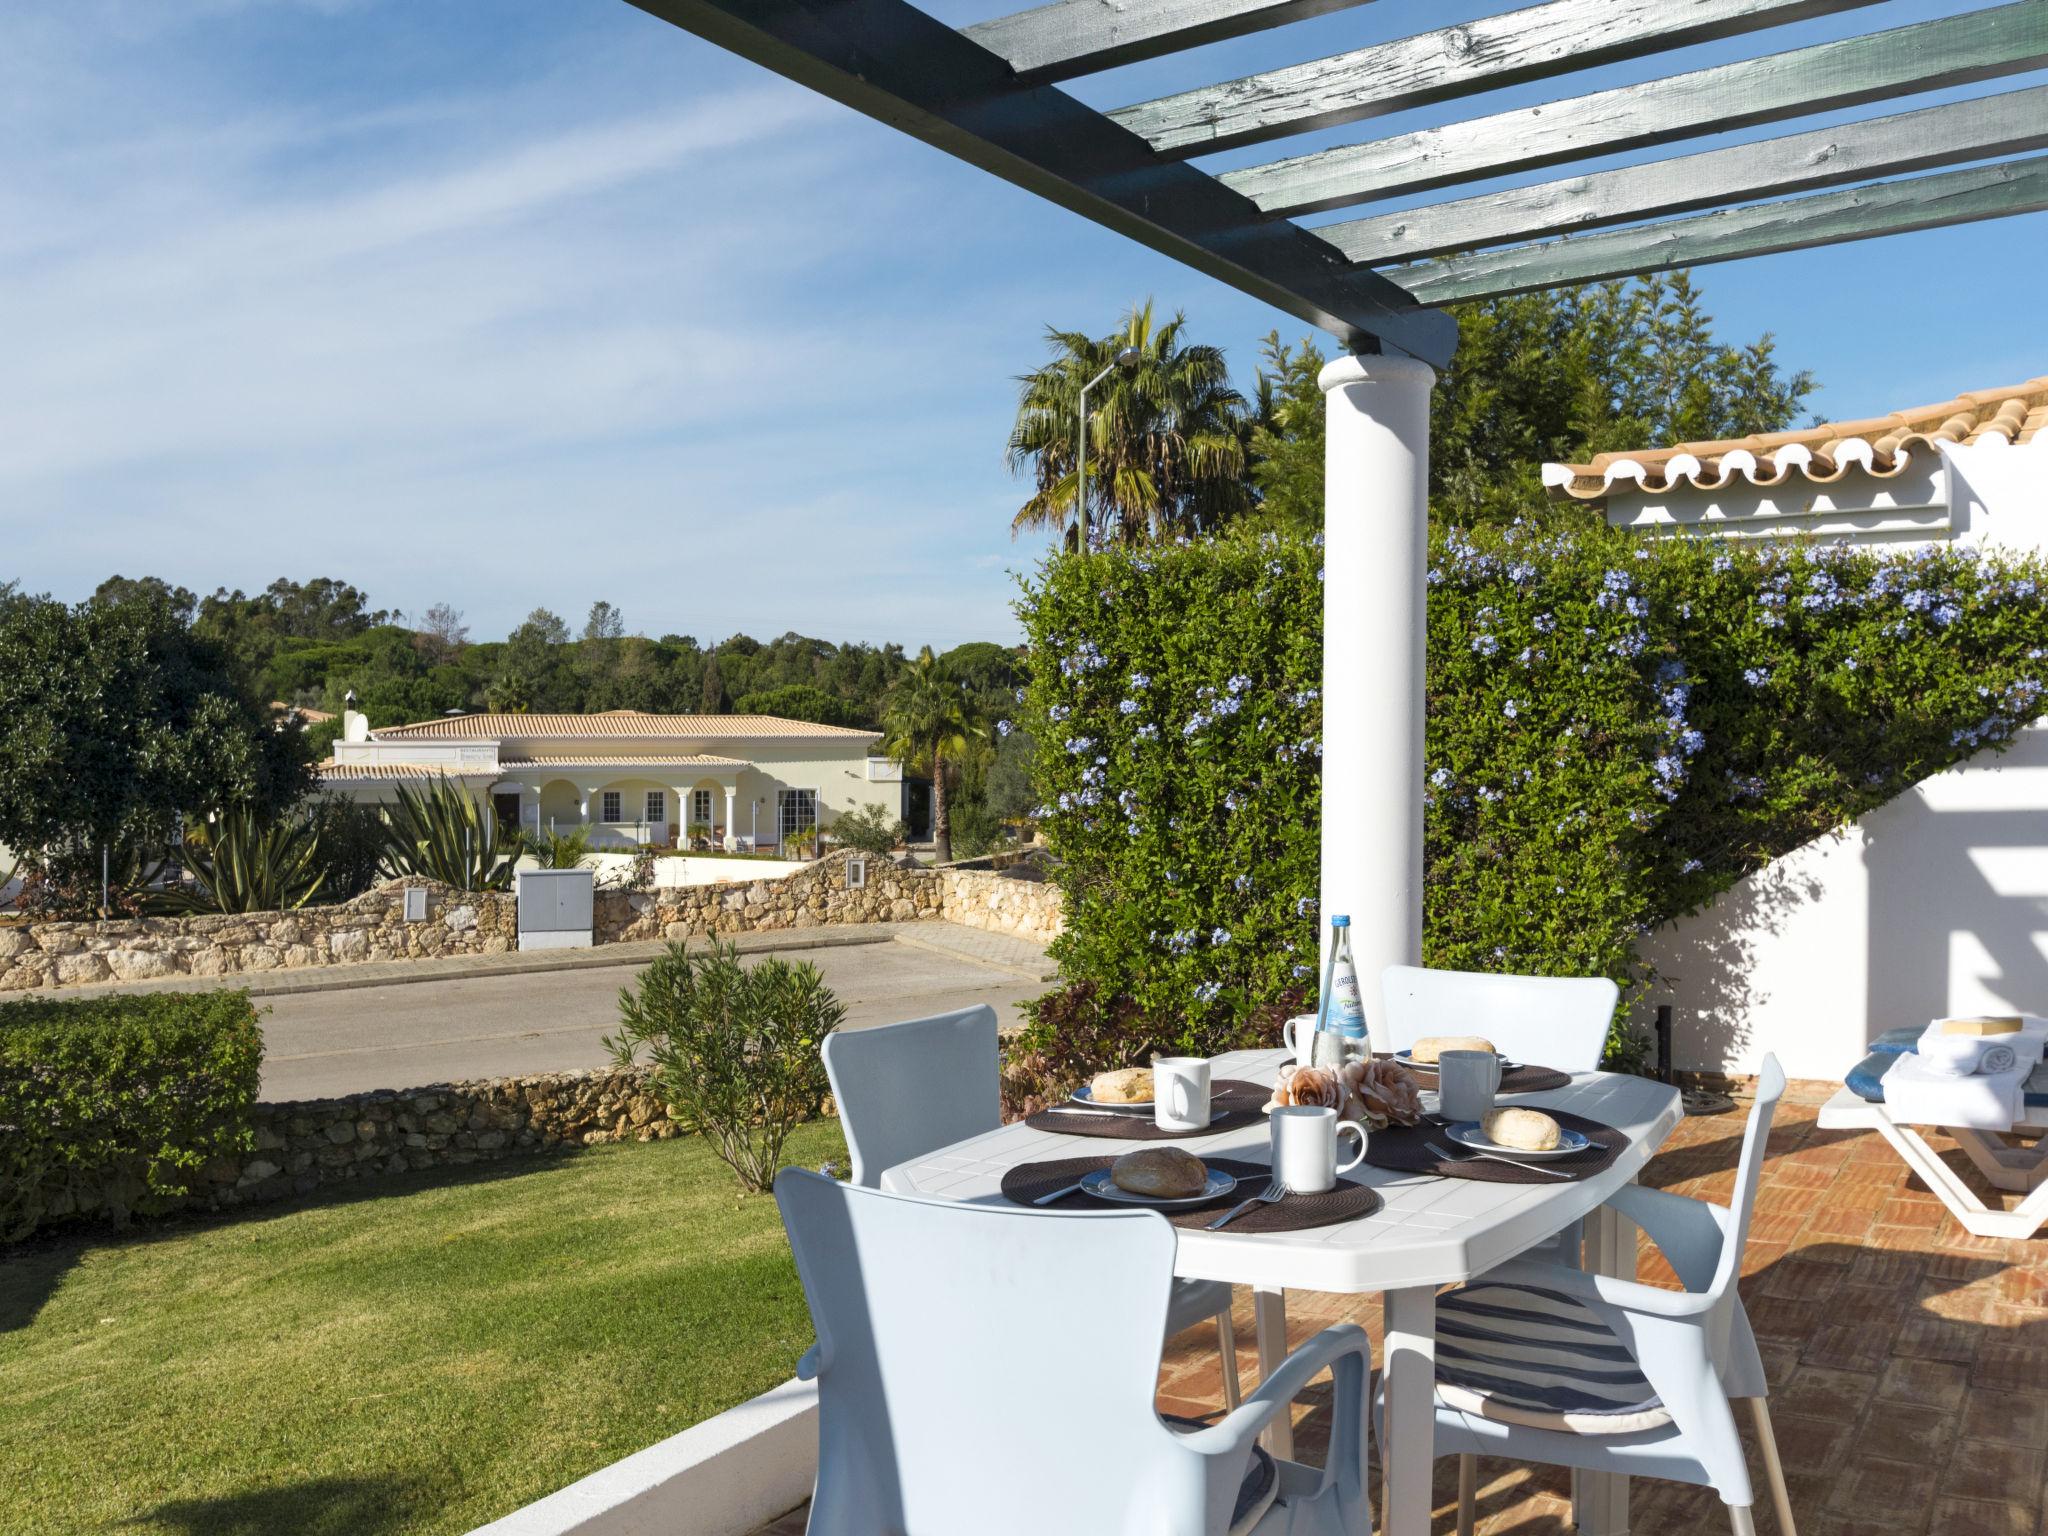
<point x="1688" y="1232"/>
<point x="812" y="1363"/>
<point x="1237" y="1430"/>
<point x="1627" y="1295"/>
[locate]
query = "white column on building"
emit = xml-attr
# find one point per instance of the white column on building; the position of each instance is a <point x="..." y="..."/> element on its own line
<point x="1375" y="546"/>
<point x="732" y="831"/>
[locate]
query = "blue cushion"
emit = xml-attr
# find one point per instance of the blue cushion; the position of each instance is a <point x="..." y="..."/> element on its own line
<point x="1866" y="1078"/>
<point x="1896" y="1042"/>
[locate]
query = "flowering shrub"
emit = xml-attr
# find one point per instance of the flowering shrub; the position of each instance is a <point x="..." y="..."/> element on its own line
<point x="1618" y="730"/>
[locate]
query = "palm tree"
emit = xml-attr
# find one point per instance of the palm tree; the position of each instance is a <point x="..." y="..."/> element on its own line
<point x="928" y="715"/>
<point x="1166" y="449"/>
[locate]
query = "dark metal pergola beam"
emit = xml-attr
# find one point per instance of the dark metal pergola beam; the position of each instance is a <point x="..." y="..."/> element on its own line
<point x="891" y="61"/>
<point x="1928" y="55"/>
<point x="1485" y="54"/>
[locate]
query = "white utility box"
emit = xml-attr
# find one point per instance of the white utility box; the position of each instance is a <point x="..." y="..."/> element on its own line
<point x="555" y="907"/>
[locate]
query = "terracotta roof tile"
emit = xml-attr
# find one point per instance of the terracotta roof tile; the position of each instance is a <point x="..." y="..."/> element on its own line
<point x="611" y="723"/>
<point x="1881" y="446"/>
<point x="637" y="760"/>
<point x="333" y="770"/>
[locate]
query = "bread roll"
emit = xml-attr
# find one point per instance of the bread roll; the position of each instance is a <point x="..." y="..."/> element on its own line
<point x="1131" y="1085"/>
<point x="1430" y="1047"/>
<point x="1526" y="1130"/>
<point x="1994" y="1024"/>
<point x="1165" y="1173"/>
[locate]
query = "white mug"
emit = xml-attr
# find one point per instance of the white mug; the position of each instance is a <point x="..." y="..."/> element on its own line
<point x="1304" y="1141"/>
<point x="1180" y="1093"/>
<point x="1466" y="1082"/>
<point x="1298" y="1034"/>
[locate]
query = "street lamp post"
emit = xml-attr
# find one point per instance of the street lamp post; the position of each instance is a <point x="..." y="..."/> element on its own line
<point x="1128" y="359"/>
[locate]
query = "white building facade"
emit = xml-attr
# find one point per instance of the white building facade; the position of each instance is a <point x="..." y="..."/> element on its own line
<point x="632" y="779"/>
<point x="1937" y="902"/>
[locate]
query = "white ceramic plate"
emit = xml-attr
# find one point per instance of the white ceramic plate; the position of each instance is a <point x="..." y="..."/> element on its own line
<point x="1084" y="1095"/>
<point x="1402" y="1058"/>
<point x="1466" y="1133"/>
<point x="1098" y="1184"/>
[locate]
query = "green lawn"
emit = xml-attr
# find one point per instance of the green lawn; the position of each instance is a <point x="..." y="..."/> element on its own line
<point x="419" y="1356"/>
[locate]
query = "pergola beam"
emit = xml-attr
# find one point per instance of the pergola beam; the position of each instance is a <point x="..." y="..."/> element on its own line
<point x="1929" y="55"/>
<point x="1982" y="129"/>
<point x="1825" y="218"/>
<point x="1484" y="54"/>
<point x="891" y="61"/>
<point x="1078" y="37"/>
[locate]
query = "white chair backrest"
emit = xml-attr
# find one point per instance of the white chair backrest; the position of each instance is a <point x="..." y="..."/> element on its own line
<point x="1551" y="1021"/>
<point x="1770" y="1087"/>
<point x="980" y="1369"/>
<point x="907" y="1089"/>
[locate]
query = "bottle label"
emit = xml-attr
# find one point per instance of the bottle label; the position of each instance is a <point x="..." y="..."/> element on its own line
<point x="1347" y="1008"/>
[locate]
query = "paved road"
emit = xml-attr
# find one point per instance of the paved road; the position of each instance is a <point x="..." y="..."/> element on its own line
<point x="401" y="1036"/>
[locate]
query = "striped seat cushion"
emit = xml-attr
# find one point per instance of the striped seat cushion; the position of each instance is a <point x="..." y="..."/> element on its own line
<point x="1521" y="1355"/>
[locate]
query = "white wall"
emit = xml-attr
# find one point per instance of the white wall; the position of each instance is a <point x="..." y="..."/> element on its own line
<point x="1999" y="493"/>
<point x="1935" y="903"/>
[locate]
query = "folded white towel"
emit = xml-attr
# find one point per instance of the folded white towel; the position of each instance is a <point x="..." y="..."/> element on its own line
<point x="2029" y="1045"/>
<point x="1916" y="1094"/>
<point x="1965" y="1055"/>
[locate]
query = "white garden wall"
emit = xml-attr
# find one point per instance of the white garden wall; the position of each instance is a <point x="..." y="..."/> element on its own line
<point x="1934" y="903"/>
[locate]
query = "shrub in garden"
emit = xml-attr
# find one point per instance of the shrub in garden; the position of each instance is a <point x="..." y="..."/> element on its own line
<point x="109" y="1105"/>
<point x="870" y="830"/>
<point x="734" y="1048"/>
<point x="1618" y="730"/>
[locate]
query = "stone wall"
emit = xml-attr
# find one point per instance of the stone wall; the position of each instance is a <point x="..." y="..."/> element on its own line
<point x="302" y="1146"/>
<point x="373" y="926"/>
<point x="369" y="927"/>
<point x="999" y="903"/>
<point x="815" y="896"/>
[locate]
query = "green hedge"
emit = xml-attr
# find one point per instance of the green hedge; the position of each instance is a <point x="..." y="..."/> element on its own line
<point x="108" y="1105"/>
<point x="1618" y="730"/>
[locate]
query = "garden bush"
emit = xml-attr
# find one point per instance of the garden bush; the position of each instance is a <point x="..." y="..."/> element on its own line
<point x="108" y="1106"/>
<point x="735" y="1049"/>
<point x="1618" y="731"/>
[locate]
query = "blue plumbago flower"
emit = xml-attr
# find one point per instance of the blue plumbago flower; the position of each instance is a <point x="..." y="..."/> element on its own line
<point x="1230" y="801"/>
<point x="1058" y="713"/>
<point x="1241" y="883"/>
<point x="1219" y="936"/>
<point x="1723" y="563"/>
<point x="829" y="1169"/>
<point x="1691" y="866"/>
<point x="1319" y="573"/>
<point x="1302" y="970"/>
<point x="1080" y="744"/>
<point x="1544" y="623"/>
<point x="1509" y="709"/>
<point x="1443" y="778"/>
<point x="1305" y="697"/>
<point x="1147" y="733"/>
<point x="1946" y="614"/>
<point x="1207" y="991"/>
<point x="1642" y="554"/>
<point x="1304" y="906"/>
<point x="1849" y="664"/>
<point x="1128" y="707"/>
<point x="1690" y="741"/>
<point x="1019" y="695"/>
<point x="1668" y="767"/>
<point x="1435" y="577"/>
<point x="1756" y="677"/>
<point x="1485" y="645"/>
<point x="1182" y="941"/>
<point x="1670" y="671"/>
<point x="1521" y="573"/>
<point x="1140" y="681"/>
<point x="1238" y="683"/>
<point x="1195" y="723"/>
<point x="1002" y="727"/>
<point x="1488" y="793"/>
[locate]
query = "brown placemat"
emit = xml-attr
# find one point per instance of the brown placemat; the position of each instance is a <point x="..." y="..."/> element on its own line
<point x="1522" y="1079"/>
<point x="1297" y="1213"/>
<point x="1233" y="1105"/>
<point x="1405" y="1149"/>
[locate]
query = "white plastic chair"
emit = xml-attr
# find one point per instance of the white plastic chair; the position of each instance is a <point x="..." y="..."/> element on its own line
<point x="1546" y="1363"/>
<point x="990" y="1370"/>
<point x="1552" y="1021"/>
<point x="905" y="1090"/>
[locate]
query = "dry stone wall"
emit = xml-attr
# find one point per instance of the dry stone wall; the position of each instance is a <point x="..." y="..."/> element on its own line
<point x="998" y="903"/>
<point x="304" y="1145"/>
<point x="373" y="926"/>
<point x="370" y="927"/>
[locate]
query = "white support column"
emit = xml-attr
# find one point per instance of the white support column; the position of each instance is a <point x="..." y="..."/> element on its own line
<point x="1375" y="546"/>
<point x="732" y="831"/>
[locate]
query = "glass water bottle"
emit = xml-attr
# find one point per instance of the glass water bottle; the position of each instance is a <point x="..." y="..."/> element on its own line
<point x="1342" y="1013"/>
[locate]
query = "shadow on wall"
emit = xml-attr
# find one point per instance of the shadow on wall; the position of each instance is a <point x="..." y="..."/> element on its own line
<point x="1934" y="903"/>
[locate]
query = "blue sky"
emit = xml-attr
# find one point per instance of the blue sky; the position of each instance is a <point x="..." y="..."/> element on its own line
<point x="510" y="303"/>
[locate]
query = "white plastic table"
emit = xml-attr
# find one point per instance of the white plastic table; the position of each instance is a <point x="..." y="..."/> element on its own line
<point x="1430" y="1233"/>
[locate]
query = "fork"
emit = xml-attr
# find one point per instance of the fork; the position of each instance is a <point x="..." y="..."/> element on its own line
<point x="1466" y="1155"/>
<point x="1059" y="1194"/>
<point x="1273" y="1192"/>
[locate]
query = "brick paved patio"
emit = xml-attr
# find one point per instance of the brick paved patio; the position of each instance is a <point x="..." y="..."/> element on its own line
<point x="1908" y="1360"/>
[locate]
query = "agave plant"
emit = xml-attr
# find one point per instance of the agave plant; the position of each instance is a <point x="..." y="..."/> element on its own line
<point x="444" y="834"/>
<point x="560" y="849"/>
<point x="243" y="864"/>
